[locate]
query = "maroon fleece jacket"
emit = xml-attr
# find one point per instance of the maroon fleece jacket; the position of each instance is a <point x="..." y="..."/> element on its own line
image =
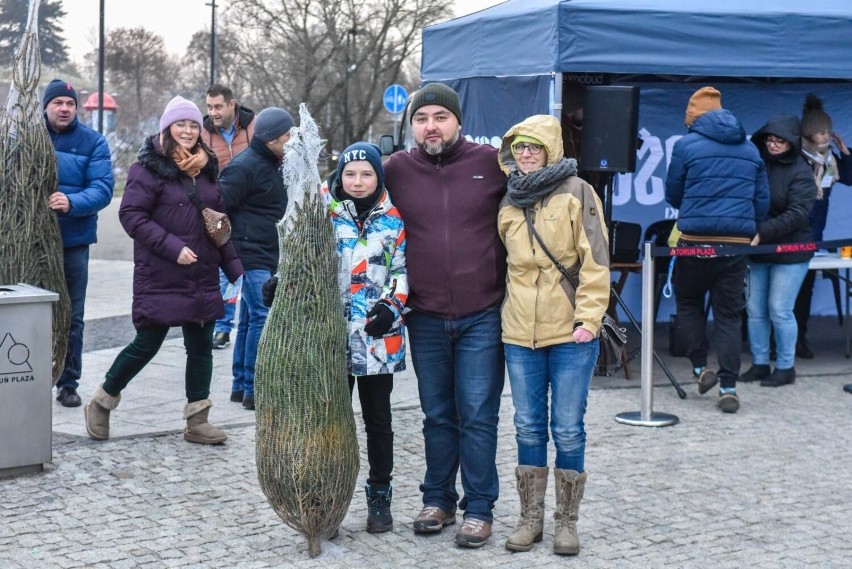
<point x="455" y="260"/>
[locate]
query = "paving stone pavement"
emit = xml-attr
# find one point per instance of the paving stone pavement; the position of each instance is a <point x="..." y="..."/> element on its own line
<point x="770" y="486"/>
<point x="767" y="487"/>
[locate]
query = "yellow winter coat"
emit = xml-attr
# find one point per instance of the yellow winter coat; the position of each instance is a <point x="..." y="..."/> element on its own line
<point x="541" y="308"/>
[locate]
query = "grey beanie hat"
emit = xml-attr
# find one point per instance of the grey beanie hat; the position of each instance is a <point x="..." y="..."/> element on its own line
<point x="436" y="94"/>
<point x="272" y="122"/>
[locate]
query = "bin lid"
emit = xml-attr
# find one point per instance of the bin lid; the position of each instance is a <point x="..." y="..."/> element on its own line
<point x="22" y="293"/>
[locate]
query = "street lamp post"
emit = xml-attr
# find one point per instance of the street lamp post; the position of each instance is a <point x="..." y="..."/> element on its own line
<point x="350" y="35"/>
<point x="101" y="71"/>
<point x="212" y="5"/>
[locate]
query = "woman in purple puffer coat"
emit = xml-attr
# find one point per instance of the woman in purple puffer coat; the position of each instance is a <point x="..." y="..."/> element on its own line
<point x="175" y="275"/>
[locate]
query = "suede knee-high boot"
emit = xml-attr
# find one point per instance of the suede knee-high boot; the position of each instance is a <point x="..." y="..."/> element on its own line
<point x="532" y="486"/>
<point x="570" y="486"/>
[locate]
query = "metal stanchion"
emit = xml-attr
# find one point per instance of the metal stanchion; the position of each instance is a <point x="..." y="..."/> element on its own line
<point x="646" y="417"/>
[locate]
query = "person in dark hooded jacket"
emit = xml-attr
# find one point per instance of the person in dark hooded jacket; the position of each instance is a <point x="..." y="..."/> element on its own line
<point x="175" y="267"/>
<point x="774" y="280"/>
<point x="718" y="182"/>
<point x="256" y="199"/>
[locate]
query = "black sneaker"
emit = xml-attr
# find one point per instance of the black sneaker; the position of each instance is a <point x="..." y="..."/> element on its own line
<point x="779" y="377"/>
<point x="248" y="402"/>
<point x="236" y="396"/>
<point x="848" y="388"/>
<point x="67" y="397"/>
<point x="706" y="380"/>
<point x="756" y="372"/>
<point x="728" y="402"/>
<point x="221" y="340"/>
<point x="379" y="517"/>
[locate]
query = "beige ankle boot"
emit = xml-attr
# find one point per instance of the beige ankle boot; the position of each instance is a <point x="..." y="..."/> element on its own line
<point x="570" y="486"/>
<point x="96" y="413"/>
<point x="532" y="486"/>
<point x="198" y="430"/>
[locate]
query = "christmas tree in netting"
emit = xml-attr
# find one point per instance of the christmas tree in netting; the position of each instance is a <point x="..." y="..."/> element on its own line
<point x="307" y="450"/>
<point x="30" y="242"/>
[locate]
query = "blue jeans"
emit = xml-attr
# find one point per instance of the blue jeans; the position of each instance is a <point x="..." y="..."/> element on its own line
<point x="226" y="323"/>
<point x="460" y="374"/>
<point x="566" y="371"/>
<point x="252" y="318"/>
<point x="76" y="261"/>
<point x="772" y="290"/>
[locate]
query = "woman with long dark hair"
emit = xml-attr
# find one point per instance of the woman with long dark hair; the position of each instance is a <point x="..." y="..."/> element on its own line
<point x="176" y="267"/>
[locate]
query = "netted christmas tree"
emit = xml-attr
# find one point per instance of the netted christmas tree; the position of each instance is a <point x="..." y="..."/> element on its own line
<point x="30" y="242"/>
<point x="307" y="450"/>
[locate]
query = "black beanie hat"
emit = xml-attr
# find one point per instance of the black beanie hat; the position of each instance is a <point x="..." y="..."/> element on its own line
<point x="58" y="88"/>
<point x="272" y="122"/>
<point x="436" y="94"/>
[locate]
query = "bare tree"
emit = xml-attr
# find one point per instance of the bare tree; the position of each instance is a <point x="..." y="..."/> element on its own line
<point x="196" y="64"/>
<point x="141" y="71"/>
<point x="336" y="55"/>
<point x="143" y="77"/>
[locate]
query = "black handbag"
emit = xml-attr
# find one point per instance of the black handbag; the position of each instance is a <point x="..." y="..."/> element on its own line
<point x="613" y="338"/>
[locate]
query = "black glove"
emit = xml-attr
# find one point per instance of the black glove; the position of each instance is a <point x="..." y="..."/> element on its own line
<point x="268" y="291"/>
<point x="382" y="320"/>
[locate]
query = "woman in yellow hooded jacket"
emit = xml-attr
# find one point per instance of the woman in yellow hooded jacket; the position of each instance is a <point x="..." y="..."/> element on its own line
<point x="551" y="317"/>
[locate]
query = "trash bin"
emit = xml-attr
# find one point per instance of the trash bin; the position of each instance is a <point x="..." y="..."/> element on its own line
<point x="26" y="383"/>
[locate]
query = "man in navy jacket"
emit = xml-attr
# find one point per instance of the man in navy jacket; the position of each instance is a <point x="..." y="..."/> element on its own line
<point x="85" y="187"/>
<point x="718" y="182"/>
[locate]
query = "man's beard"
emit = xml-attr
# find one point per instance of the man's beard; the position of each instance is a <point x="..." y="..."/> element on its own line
<point x="436" y="148"/>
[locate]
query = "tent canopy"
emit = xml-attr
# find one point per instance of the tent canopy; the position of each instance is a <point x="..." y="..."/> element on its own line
<point x="722" y="38"/>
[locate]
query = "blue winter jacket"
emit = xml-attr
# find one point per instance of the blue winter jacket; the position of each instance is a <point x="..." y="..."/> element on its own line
<point x="717" y="179"/>
<point x="85" y="176"/>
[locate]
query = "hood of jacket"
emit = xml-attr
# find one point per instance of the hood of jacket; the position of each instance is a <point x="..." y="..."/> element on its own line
<point x="720" y="125"/>
<point x="151" y="157"/>
<point x="782" y="126"/>
<point x="541" y="127"/>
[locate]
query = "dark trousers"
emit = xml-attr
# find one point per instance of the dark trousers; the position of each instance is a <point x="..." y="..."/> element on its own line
<point x="724" y="279"/>
<point x="76" y="264"/>
<point x="802" y="309"/>
<point x="198" y="342"/>
<point x="374" y="392"/>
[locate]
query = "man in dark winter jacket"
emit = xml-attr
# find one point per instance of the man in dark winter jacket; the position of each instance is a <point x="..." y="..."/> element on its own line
<point x="448" y="191"/>
<point x="255" y="198"/>
<point x="228" y="128"/>
<point x="85" y="187"/>
<point x="717" y="180"/>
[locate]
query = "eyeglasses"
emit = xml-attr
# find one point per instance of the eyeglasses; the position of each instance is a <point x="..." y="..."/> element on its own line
<point x="521" y="146"/>
<point x="191" y="125"/>
<point x="775" y="141"/>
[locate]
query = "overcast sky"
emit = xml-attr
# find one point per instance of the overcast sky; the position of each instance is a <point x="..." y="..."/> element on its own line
<point x="185" y="17"/>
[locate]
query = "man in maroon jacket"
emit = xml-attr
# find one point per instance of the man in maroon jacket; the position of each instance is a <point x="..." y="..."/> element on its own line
<point x="448" y="191"/>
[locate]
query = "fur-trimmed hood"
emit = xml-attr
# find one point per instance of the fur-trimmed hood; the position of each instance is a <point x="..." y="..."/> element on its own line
<point x="151" y="157"/>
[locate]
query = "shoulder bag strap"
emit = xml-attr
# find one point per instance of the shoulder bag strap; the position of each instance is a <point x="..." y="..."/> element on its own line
<point x="573" y="278"/>
<point x="190" y="191"/>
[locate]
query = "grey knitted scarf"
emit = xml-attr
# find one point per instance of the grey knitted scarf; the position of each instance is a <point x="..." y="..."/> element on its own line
<point x="525" y="190"/>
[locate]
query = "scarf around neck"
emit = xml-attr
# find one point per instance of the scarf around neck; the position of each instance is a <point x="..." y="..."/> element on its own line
<point x="190" y="163"/>
<point x="525" y="190"/>
<point x="822" y="163"/>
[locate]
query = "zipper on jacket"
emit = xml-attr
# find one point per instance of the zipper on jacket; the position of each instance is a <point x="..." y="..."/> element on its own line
<point x="200" y="296"/>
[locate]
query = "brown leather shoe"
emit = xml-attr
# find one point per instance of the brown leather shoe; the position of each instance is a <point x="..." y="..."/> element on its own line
<point x="473" y="533"/>
<point x="432" y="519"/>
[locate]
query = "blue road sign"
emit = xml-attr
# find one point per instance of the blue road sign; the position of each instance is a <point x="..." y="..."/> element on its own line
<point x="394" y="98"/>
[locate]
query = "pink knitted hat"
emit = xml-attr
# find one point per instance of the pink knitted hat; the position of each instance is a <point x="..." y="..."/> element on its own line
<point x="180" y="109"/>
